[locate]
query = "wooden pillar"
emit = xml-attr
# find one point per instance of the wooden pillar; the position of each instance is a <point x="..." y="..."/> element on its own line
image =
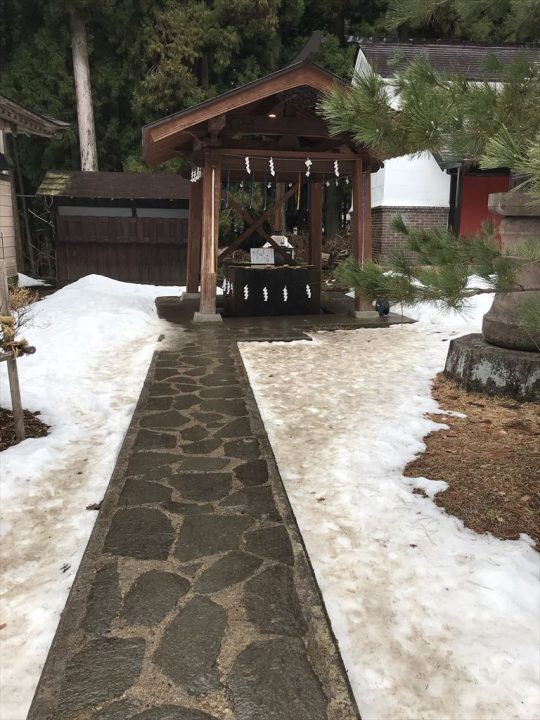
<point x="359" y="227"/>
<point x="279" y="212"/>
<point x="368" y="247"/>
<point x="315" y="224"/>
<point x="194" y="237"/>
<point x="211" y="191"/>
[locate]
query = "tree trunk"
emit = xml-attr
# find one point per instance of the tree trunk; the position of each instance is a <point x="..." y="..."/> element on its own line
<point x="340" y="23"/>
<point x="81" y="73"/>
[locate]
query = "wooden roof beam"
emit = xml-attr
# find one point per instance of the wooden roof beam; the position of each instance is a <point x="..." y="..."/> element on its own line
<point x="290" y="154"/>
<point x="236" y="167"/>
<point x="257" y="125"/>
<point x="215" y="126"/>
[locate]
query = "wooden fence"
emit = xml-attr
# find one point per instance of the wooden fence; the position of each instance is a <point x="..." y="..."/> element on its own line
<point x="139" y="250"/>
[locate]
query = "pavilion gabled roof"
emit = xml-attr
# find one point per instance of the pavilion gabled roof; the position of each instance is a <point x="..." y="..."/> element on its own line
<point x="244" y="111"/>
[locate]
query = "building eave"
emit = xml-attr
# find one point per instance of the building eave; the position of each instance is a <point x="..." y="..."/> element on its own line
<point x="16" y="119"/>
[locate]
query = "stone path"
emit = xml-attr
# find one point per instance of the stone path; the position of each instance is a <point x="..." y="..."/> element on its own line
<point x="195" y="599"/>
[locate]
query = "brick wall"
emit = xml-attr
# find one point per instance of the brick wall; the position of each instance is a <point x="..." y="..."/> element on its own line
<point x="386" y="241"/>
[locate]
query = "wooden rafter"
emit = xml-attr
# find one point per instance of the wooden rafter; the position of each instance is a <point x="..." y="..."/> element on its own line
<point x="261" y="125"/>
<point x="291" y="154"/>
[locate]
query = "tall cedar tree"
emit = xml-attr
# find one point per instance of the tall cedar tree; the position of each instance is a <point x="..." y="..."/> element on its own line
<point x="150" y="57"/>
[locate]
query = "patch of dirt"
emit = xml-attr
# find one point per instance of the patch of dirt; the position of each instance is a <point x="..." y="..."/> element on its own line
<point x="490" y="460"/>
<point x="33" y="427"/>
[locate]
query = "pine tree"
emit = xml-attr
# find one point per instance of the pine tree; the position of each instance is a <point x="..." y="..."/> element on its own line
<point x="442" y="270"/>
<point x="479" y="20"/>
<point x="490" y="125"/>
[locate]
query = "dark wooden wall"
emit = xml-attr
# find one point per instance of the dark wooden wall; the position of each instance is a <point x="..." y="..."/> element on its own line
<point x="139" y="250"/>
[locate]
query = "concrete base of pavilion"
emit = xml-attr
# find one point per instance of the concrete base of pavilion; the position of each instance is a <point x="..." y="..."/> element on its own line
<point x="372" y="318"/>
<point x="199" y="317"/>
<point x="337" y="313"/>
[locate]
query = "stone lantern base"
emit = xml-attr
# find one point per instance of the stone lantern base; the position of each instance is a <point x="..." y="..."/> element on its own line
<point x="480" y="367"/>
<point x="504" y="360"/>
<point x="520" y="223"/>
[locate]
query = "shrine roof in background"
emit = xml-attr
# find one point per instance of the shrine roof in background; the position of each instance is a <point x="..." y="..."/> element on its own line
<point x="17" y="119"/>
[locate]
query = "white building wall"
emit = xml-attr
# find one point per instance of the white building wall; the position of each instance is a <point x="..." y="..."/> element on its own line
<point x="410" y="181"/>
<point x="377" y="187"/>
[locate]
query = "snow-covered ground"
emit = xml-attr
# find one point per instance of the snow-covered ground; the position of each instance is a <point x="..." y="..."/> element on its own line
<point x="29" y="282"/>
<point x="434" y="621"/>
<point x="94" y="341"/>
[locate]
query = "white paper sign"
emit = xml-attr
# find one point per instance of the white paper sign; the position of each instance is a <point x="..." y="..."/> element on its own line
<point x="281" y="240"/>
<point x="262" y="256"/>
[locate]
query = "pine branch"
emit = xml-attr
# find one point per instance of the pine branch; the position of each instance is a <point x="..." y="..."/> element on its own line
<point x="530" y="319"/>
<point x="421" y="110"/>
<point x="471" y="292"/>
<point x="442" y="270"/>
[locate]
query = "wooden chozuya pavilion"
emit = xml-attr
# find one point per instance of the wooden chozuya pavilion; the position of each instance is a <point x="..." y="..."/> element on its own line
<point x="268" y="127"/>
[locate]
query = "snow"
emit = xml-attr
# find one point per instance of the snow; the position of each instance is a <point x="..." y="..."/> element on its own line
<point x="94" y="340"/>
<point x="434" y="621"/>
<point x="26" y="281"/>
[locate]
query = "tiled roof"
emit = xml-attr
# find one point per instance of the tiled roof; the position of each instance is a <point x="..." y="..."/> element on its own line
<point x="466" y="58"/>
<point x="115" y="185"/>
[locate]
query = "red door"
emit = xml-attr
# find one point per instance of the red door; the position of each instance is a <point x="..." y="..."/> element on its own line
<point x="474" y="200"/>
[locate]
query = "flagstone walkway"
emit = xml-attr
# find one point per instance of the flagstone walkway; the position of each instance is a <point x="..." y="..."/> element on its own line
<point x="195" y="599"/>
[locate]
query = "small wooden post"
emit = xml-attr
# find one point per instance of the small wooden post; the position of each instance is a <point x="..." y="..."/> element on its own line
<point x="211" y="189"/>
<point x="315" y="224"/>
<point x="361" y="303"/>
<point x="13" y="375"/>
<point x="194" y="237"/>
